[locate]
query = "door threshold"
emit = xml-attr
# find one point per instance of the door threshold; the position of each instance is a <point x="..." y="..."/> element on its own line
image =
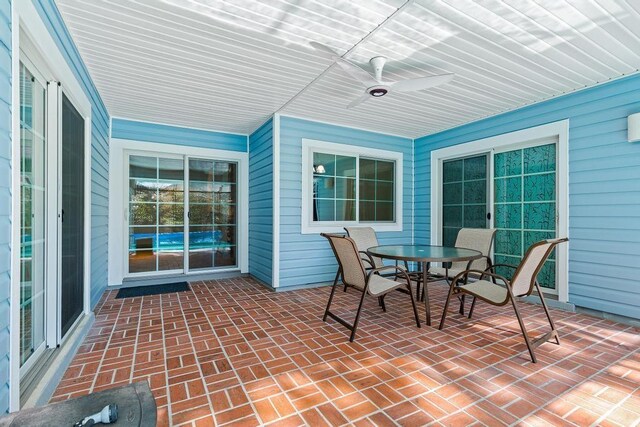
<point x="174" y="278"/>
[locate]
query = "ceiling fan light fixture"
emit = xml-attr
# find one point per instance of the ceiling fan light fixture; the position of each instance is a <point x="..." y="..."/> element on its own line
<point x="377" y="91"/>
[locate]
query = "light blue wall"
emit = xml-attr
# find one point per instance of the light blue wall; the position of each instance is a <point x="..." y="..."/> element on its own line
<point x="307" y="258"/>
<point x="604" y="188"/>
<point x="152" y="132"/>
<point x="261" y="203"/>
<point x="99" y="145"/>
<point x="5" y="198"/>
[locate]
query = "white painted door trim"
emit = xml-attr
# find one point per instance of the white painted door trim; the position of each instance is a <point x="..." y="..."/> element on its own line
<point x="29" y="31"/>
<point x="525" y="137"/>
<point x="118" y="154"/>
<point x="275" y="268"/>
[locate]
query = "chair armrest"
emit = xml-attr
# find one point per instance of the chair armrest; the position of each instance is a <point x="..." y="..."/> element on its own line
<point x="481" y="273"/>
<point x="492" y="267"/>
<point x="390" y="267"/>
<point x="367" y="258"/>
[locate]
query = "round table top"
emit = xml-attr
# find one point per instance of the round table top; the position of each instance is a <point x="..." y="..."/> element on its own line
<point x="424" y="253"/>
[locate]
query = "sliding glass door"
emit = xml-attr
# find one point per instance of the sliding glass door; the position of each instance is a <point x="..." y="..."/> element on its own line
<point x="523" y="201"/>
<point x="33" y="187"/>
<point x="156" y="214"/>
<point x="160" y="187"/>
<point x="525" y="205"/>
<point x="212" y="214"/>
<point x="465" y="196"/>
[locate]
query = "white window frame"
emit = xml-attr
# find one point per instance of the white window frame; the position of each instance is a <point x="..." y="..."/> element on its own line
<point x="309" y="147"/>
<point x="119" y="151"/>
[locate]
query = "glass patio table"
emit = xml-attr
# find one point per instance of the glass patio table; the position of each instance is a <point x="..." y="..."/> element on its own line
<point x="424" y="254"/>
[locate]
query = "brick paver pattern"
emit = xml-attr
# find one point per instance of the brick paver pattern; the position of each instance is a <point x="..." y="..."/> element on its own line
<point x="231" y="352"/>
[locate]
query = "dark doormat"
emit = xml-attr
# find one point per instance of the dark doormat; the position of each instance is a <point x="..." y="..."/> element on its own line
<point x="140" y="291"/>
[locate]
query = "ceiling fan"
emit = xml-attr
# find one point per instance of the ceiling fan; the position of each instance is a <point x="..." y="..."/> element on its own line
<point x="375" y="87"/>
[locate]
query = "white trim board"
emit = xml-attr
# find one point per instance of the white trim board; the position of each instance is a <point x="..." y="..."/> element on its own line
<point x="275" y="129"/>
<point x="30" y="33"/>
<point x="559" y="131"/>
<point x="117" y="210"/>
<point x="308" y="147"/>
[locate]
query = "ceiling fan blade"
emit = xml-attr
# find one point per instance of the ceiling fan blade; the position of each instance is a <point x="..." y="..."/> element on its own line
<point x="357" y="73"/>
<point x="351" y="68"/>
<point x="421" y="83"/>
<point x="365" y="97"/>
<point x="325" y="49"/>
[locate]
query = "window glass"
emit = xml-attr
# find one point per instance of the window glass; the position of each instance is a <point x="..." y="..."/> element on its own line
<point x="343" y="183"/>
<point x="377" y="186"/>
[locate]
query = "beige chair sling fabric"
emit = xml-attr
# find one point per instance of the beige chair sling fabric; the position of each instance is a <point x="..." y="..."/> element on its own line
<point x="478" y="239"/>
<point x="501" y="291"/>
<point x="353" y="273"/>
<point x="365" y="238"/>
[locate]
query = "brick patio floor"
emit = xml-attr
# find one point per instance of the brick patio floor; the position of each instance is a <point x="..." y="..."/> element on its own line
<point x="232" y="352"/>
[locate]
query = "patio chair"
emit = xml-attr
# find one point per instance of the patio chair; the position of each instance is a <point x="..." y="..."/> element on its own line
<point x="521" y="284"/>
<point x="365" y="238"/>
<point x="352" y="271"/>
<point x="479" y="239"/>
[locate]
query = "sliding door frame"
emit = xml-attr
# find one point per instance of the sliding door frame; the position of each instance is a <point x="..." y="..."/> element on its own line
<point x="504" y="142"/>
<point x="31" y="39"/>
<point x="119" y="152"/>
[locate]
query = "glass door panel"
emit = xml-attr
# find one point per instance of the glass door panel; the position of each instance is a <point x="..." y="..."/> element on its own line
<point x="212" y="214"/>
<point x="525" y="205"/>
<point x="464" y="191"/>
<point x="156" y="214"/>
<point x="32" y="214"/>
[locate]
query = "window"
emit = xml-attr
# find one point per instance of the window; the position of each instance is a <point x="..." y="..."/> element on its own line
<point x="346" y="185"/>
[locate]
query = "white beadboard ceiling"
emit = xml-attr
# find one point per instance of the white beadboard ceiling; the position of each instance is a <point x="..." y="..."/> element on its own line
<point x="229" y="65"/>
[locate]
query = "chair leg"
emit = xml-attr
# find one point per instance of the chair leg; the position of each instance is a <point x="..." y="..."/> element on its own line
<point x="524" y="330"/>
<point x="473" y="304"/>
<point x="546" y="311"/>
<point x="355" y="323"/>
<point x="446" y="306"/>
<point x="333" y="290"/>
<point x="381" y="299"/>
<point x="413" y="304"/>
<point x="461" y="310"/>
<point x="345" y="288"/>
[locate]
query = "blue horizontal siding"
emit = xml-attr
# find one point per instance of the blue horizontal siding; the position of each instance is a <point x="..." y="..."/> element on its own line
<point x="5" y="199"/>
<point x="52" y="19"/>
<point x="261" y="203"/>
<point x="307" y="258"/>
<point x="153" y="132"/>
<point x="604" y="189"/>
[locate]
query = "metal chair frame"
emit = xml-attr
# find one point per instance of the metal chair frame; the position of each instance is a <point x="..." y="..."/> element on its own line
<point x="367" y="277"/>
<point x="510" y="296"/>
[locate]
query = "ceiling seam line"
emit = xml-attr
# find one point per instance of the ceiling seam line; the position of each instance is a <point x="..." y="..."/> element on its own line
<point x="388" y="19"/>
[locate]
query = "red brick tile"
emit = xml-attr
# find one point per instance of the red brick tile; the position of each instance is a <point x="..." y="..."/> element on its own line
<point x="233" y="346"/>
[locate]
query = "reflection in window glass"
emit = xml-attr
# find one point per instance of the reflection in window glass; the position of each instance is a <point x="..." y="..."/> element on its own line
<point x="335" y="183"/>
<point x="156" y="214"/>
<point x="377" y="186"/>
<point x="334" y="187"/>
<point x="212" y="214"/>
